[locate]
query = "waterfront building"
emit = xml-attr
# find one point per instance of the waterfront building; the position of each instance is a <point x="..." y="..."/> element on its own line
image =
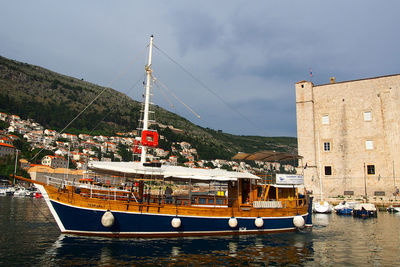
<point x="349" y="135"/>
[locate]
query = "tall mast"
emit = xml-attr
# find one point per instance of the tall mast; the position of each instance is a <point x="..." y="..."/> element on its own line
<point x="147" y="99"/>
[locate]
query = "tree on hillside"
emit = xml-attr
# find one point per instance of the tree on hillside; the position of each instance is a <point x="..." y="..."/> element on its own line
<point x="124" y="153"/>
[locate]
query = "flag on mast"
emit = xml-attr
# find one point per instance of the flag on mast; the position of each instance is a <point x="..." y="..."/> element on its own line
<point x="310" y="72"/>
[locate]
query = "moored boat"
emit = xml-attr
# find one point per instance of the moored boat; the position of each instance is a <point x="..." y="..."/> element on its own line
<point x="141" y="206"/>
<point x="365" y="210"/>
<point x="322" y="207"/>
<point x="345" y="208"/>
<point x="393" y="208"/>
<point x="20" y="192"/>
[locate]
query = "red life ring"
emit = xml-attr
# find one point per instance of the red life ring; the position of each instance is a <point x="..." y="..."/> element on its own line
<point x="150" y="138"/>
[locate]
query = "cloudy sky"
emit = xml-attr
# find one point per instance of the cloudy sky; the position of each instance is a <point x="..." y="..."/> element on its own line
<point x="245" y="56"/>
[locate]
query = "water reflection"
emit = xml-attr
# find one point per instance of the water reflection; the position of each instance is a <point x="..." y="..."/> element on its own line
<point x="186" y="251"/>
<point x="321" y="219"/>
<point x="30" y="236"/>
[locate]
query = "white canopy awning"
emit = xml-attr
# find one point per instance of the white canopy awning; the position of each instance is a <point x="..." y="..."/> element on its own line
<point x="131" y="169"/>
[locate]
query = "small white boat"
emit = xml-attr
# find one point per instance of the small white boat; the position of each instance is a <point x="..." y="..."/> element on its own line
<point x="393" y="208"/>
<point x="10" y="191"/>
<point x="3" y="192"/>
<point x="20" y="192"/>
<point x="322" y="207"/>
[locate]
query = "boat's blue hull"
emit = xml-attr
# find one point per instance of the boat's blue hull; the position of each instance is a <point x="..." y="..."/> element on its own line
<point x="344" y="211"/>
<point x="84" y="221"/>
<point x="364" y="213"/>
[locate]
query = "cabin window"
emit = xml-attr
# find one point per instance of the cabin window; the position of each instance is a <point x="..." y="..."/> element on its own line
<point x="371" y="169"/>
<point x="325" y="119"/>
<point x="367" y="116"/>
<point x="328" y="170"/>
<point x="220" y="201"/>
<point x="211" y="201"/>
<point x="369" y="144"/>
<point x="327" y="146"/>
<point x="202" y="201"/>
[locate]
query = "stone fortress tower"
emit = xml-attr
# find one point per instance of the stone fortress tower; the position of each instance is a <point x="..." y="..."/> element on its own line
<point x="349" y="135"/>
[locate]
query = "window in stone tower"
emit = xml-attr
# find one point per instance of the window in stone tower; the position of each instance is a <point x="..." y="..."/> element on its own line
<point x="367" y="116"/>
<point x="370" y="169"/>
<point x="369" y="144"/>
<point x="327" y="146"/>
<point x="325" y="119"/>
<point x="328" y="170"/>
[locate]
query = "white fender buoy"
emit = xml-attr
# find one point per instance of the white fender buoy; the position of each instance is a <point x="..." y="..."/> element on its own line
<point x="233" y="222"/>
<point x="298" y="221"/>
<point x="176" y="222"/>
<point x="259" y="222"/>
<point x="108" y="219"/>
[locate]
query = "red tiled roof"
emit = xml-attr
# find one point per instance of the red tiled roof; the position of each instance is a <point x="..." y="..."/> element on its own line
<point x="7" y="145"/>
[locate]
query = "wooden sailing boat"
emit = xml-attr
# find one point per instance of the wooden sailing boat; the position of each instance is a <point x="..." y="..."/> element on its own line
<point x="234" y="203"/>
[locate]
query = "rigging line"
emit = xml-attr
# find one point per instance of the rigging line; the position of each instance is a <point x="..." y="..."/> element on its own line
<point x="209" y="89"/>
<point x="105" y="88"/>
<point x="177" y="98"/>
<point x="163" y="93"/>
<point x="108" y="113"/>
<point x="44" y="216"/>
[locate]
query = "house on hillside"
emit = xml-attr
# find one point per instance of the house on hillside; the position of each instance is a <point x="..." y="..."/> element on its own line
<point x="189" y="164"/>
<point x="6" y="140"/>
<point x="185" y="146"/>
<point x="15" y="118"/>
<point x="3" y="116"/>
<point x="70" y="137"/>
<point x="108" y="147"/>
<point x="50" y="132"/>
<point x="85" y="137"/>
<point x="54" y="161"/>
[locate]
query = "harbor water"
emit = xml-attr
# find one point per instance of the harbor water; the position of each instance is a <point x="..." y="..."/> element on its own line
<point x="29" y="236"/>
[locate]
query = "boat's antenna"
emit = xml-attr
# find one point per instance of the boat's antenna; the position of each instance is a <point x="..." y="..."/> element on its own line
<point x="147" y="98"/>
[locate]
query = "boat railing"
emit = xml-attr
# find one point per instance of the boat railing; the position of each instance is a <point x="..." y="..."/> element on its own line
<point x="57" y="182"/>
<point x="62" y="183"/>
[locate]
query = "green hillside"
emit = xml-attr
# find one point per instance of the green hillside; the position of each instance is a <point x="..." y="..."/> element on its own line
<point x="53" y="100"/>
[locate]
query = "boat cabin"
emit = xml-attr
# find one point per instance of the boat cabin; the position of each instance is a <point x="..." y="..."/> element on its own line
<point x="164" y="185"/>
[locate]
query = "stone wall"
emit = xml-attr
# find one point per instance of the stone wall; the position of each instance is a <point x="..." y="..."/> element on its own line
<point x="348" y="134"/>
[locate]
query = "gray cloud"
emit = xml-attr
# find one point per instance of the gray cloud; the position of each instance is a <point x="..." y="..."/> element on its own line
<point x="250" y="53"/>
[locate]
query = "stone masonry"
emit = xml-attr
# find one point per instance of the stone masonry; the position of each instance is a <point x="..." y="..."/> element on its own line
<point x="349" y="135"/>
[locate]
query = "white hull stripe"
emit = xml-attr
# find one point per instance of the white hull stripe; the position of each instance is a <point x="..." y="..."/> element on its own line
<point x="53" y="212"/>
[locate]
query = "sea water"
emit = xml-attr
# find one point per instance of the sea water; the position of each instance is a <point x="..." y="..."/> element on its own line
<point x="29" y="236"/>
